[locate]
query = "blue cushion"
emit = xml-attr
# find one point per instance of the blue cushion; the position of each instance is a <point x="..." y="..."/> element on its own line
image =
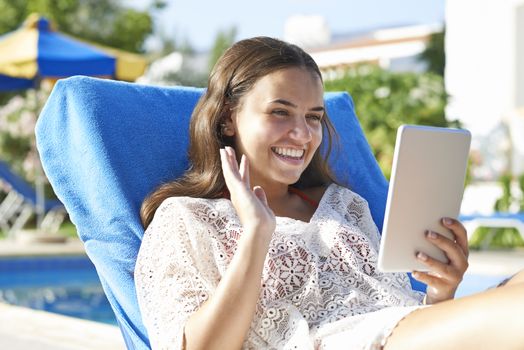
<point x="105" y="145"/>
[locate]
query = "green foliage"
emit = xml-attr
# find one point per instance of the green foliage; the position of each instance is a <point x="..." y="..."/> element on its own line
<point x="102" y="21"/>
<point x="434" y="55"/>
<point x="503" y="203"/>
<point x="490" y="237"/>
<point x="385" y="100"/>
<point x="13" y="14"/>
<point x="223" y="40"/>
<point x="521" y="187"/>
<point x="497" y="238"/>
<point x="509" y="201"/>
<point x="132" y="27"/>
<point x="11" y="147"/>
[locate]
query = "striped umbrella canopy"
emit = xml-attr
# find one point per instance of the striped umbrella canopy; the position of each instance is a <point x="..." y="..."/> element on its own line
<point x="10" y="83"/>
<point x="36" y="51"/>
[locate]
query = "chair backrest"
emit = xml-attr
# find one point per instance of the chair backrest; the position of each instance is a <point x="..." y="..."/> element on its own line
<point x="19" y="185"/>
<point x="105" y="145"/>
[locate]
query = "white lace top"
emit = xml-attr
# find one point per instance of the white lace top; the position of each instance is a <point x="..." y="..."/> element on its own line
<point x="320" y="286"/>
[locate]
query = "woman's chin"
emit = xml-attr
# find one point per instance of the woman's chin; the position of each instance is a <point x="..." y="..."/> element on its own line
<point x="290" y="179"/>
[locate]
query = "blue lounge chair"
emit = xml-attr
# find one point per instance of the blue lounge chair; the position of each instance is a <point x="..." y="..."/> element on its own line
<point x="21" y="203"/>
<point x="105" y="145"/>
<point x="497" y="219"/>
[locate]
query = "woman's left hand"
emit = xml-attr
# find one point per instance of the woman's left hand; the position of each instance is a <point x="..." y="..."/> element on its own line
<point x="443" y="279"/>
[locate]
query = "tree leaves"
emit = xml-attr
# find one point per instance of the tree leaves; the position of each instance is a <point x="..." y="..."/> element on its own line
<point x="102" y="21"/>
<point x="385" y="100"/>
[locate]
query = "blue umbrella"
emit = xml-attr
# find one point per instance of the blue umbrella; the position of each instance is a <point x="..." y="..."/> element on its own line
<point x="36" y="51"/>
<point x="12" y="84"/>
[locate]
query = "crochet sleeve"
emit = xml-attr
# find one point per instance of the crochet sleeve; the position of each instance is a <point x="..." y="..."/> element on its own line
<point x="168" y="278"/>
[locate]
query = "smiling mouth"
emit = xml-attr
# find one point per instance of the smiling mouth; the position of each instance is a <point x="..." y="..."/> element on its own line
<point x="289" y="153"/>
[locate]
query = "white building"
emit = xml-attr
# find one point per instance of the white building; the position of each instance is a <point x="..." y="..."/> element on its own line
<point x="396" y="49"/>
<point x="485" y="79"/>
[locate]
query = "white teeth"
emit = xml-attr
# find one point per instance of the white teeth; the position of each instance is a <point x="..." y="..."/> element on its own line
<point x="289" y="152"/>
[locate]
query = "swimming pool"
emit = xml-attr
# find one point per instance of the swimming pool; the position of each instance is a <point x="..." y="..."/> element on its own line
<point x="70" y="286"/>
<point x="473" y="283"/>
<point x="65" y="285"/>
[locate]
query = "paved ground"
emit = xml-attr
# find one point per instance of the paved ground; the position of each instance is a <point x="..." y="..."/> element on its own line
<point x="26" y="329"/>
<point x="23" y="328"/>
<point x="15" y="248"/>
<point x="497" y="262"/>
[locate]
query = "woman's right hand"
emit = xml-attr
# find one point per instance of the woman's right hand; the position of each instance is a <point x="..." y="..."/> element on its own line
<point x="250" y="204"/>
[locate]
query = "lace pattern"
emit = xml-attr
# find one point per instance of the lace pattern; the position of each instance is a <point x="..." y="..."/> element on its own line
<point x="319" y="281"/>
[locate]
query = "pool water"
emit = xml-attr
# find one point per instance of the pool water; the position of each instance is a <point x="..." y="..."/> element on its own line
<point x="473" y="283"/>
<point x="63" y="285"/>
<point x="70" y="286"/>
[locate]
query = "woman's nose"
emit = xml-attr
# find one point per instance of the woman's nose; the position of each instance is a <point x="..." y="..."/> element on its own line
<point x="301" y="131"/>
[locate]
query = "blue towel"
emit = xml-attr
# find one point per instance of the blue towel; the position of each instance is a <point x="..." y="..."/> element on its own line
<point x="105" y="145"/>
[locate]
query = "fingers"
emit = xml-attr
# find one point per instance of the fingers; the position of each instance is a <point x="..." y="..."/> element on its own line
<point x="443" y="278"/>
<point x="234" y="175"/>
<point x="431" y="279"/>
<point x="244" y="171"/>
<point x="261" y="194"/>
<point x="226" y="166"/>
<point x="232" y="158"/>
<point x="461" y="236"/>
<point x="437" y="268"/>
<point x="229" y="164"/>
<point x="458" y="261"/>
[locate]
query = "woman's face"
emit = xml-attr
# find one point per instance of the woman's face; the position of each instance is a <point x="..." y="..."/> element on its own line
<point x="277" y="125"/>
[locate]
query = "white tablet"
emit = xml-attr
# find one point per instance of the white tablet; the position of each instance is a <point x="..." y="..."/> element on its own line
<point x="427" y="184"/>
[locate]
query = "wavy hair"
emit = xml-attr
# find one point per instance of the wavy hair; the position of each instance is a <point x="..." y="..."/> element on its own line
<point x="235" y="73"/>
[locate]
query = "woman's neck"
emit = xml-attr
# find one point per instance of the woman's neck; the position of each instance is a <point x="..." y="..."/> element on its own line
<point x="287" y="203"/>
<point x="277" y="195"/>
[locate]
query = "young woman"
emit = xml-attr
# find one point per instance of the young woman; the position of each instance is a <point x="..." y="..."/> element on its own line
<point x="272" y="254"/>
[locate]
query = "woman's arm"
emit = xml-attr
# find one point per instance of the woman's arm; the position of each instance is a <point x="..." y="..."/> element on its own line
<point x="224" y="320"/>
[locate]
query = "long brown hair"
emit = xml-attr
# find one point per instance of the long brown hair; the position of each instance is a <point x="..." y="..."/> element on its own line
<point x="235" y="73"/>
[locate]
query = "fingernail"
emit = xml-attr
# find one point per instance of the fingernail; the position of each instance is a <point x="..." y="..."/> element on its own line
<point x="422" y="256"/>
<point x="448" y="221"/>
<point x="431" y="234"/>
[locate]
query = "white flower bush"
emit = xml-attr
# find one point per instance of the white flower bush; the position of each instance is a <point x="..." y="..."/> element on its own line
<point x="17" y="133"/>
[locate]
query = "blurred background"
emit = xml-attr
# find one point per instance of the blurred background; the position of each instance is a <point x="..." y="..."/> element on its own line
<point x="433" y="62"/>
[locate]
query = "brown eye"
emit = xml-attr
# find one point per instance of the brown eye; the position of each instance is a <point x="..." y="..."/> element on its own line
<point x="314" y="117"/>
<point x="280" y="112"/>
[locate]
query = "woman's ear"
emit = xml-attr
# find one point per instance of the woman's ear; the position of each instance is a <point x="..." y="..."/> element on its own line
<point x="227" y="127"/>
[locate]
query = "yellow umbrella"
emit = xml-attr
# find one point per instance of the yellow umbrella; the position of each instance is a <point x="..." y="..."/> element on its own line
<point x="36" y="50"/>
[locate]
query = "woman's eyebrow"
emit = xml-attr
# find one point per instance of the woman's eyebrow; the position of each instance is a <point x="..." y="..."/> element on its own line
<point x="291" y="104"/>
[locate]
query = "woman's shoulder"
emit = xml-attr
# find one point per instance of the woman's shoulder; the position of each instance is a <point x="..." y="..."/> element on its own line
<point x="317" y="193"/>
<point x="182" y="211"/>
<point x="342" y="194"/>
<point x="188" y="204"/>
